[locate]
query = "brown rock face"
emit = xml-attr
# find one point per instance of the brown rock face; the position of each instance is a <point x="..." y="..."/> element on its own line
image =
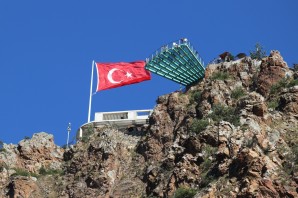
<point x="27" y="158"/>
<point x="105" y="167"/>
<point x="289" y="101"/>
<point x="32" y="154"/>
<point x="24" y="187"/>
<point x="272" y="70"/>
<point x="40" y="151"/>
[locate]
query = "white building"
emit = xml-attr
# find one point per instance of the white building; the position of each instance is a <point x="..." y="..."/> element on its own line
<point x="120" y="119"/>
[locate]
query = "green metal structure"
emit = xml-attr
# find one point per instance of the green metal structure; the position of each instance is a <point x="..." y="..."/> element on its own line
<point x="177" y="61"/>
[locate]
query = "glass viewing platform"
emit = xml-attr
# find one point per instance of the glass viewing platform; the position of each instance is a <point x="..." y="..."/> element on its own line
<point x="177" y="61"/>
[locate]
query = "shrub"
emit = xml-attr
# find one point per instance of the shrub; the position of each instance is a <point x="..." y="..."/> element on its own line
<point x="195" y="96"/>
<point x="199" y="125"/>
<point x="206" y="165"/>
<point x="237" y="93"/>
<point x="43" y="171"/>
<point x="22" y="172"/>
<point x="206" y="179"/>
<point x="258" y="53"/>
<point x="273" y="104"/>
<point x="278" y="86"/>
<point x="1" y="147"/>
<point x="87" y="133"/>
<point x="220" y="76"/>
<point x="292" y="83"/>
<point x="185" y="193"/>
<point x="295" y="66"/>
<point x="283" y="83"/>
<point x="225" y="113"/>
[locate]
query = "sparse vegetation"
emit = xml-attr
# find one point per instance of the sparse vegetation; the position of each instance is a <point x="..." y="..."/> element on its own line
<point x="237" y="93"/>
<point x="185" y="193"/>
<point x="254" y="80"/>
<point x="224" y="113"/>
<point x="290" y="153"/>
<point x="27" y="138"/>
<point x="295" y="66"/>
<point x="283" y="83"/>
<point x="258" y="52"/>
<point x="87" y="133"/>
<point x="206" y="179"/>
<point x="273" y="104"/>
<point x="43" y="171"/>
<point x="199" y="125"/>
<point x="278" y="86"/>
<point x="220" y="76"/>
<point x="22" y="172"/>
<point x="195" y="96"/>
<point x="1" y="147"/>
<point x="206" y="165"/>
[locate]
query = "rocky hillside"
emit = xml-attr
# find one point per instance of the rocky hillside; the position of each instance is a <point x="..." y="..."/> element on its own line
<point x="234" y="134"/>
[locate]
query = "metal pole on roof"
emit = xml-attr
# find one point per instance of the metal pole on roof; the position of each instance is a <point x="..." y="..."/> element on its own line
<point x="68" y="131"/>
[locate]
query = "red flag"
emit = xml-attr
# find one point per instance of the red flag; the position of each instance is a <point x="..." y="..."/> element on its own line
<point x="111" y="75"/>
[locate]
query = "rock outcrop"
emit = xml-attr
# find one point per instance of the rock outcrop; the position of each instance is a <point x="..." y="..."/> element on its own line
<point x="272" y="70"/>
<point x="230" y="135"/>
<point x="20" y="164"/>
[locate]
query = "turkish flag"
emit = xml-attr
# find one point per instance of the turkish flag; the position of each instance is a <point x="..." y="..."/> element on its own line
<point x="111" y="75"/>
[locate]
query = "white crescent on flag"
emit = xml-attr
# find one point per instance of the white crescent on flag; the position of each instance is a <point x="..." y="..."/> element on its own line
<point x="110" y="76"/>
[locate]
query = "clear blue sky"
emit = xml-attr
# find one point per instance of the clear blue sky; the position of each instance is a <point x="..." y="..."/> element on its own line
<point x="46" y="50"/>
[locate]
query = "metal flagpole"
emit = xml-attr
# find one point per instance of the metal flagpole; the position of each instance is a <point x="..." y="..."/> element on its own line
<point x="68" y="131"/>
<point x="90" y="99"/>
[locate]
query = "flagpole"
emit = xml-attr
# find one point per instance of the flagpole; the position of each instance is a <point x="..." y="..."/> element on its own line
<point x="90" y="99"/>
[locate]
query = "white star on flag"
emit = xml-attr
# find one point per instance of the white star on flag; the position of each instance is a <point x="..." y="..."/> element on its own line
<point x="128" y="75"/>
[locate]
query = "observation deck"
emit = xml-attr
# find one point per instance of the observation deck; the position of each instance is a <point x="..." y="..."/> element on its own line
<point x="120" y="119"/>
<point x="177" y="61"/>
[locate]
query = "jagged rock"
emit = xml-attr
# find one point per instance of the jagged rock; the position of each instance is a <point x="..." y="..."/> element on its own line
<point x="23" y="187"/>
<point x="32" y="154"/>
<point x="288" y="101"/>
<point x="272" y="70"/>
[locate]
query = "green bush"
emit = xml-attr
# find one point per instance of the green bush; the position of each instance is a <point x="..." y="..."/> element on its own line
<point x="237" y="93"/>
<point x="87" y="133"/>
<point x="43" y="171"/>
<point x="185" y="193"/>
<point x="199" y="125"/>
<point x="283" y="83"/>
<point x="278" y="86"/>
<point x="258" y="53"/>
<point x="195" y="96"/>
<point x="220" y="76"/>
<point x="224" y="113"/>
<point x="273" y="104"/>
<point x="206" y="179"/>
<point x="22" y="172"/>
<point x="292" y="83"/>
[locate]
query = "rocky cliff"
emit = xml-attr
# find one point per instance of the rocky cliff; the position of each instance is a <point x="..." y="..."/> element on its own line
<point x="234" y="134"/>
